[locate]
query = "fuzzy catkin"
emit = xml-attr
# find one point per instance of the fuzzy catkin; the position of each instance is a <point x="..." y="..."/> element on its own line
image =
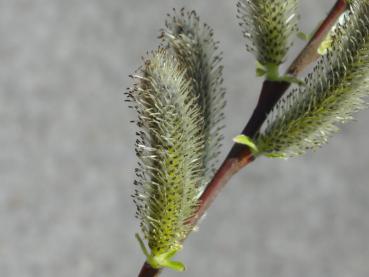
<point x="169" y="146"/>
<point x="193" y="44"/>
<point x="268" y="26"/>
<point x="336" y="88"/>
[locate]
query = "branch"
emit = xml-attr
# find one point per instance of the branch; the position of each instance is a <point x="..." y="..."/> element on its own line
<point x="309" y="54"/>
<point x="148" y="271"/>
<point x="240" y="155"/>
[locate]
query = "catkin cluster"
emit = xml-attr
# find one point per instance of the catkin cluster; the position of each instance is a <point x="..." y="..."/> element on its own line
<point x="336" y="88"/>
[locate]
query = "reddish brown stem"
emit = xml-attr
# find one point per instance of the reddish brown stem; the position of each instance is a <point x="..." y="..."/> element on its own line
<point x="238" y="157"/>
<point x="148" y="271"/>
<point x="309" y="54"/>
<point x="271" y="92"/>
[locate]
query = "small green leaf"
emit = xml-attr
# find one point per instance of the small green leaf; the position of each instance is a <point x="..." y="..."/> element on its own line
<point x="175" y="265"/>
<point x="242" y="139"/>
<point x="162" y="260"/>
<point x="260" y="69"/>
<point x="271" y="72"/>
<point x="142" y="245"/>
<point x="170" y="254"/>
<point x="275" y="155"/>
<point x="292" y="80"/>
<point x="325" y="45"/>
<point x="303" y="36"/>
<point x="260" y="72"/>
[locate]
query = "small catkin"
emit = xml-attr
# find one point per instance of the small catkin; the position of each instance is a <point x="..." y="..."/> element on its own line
<point x="268" y="26"/>
<point x="336" y="88"/>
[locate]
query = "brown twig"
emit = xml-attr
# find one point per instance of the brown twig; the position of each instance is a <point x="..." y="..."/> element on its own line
<point x="309" y="54"/>
<point x="271" y="92"/>
<point x="238" y="157"/>
<point x="148" y="271"/>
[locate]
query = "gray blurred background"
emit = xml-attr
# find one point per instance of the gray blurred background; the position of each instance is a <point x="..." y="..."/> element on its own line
<point x="67" y="158"/>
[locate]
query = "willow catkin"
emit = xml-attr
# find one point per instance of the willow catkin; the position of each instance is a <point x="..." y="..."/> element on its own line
<point x="268" y="26"/>
<point x="169" y="147"/>
<point x="193" y="44"/>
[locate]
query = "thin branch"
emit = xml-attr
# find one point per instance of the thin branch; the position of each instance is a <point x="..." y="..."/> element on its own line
<point x="309" y="54"/>
<point x="148" y="271"/>
<point x="271" y="92"/>
<point x="238" y="157"/>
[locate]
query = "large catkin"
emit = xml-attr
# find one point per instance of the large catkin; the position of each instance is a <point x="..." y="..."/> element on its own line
<point x="169" y="146"/>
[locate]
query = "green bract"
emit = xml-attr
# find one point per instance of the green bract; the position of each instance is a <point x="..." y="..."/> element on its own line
<point x="242" y="139"/>
<point x="161" y="260"/>
<point x="306" y="117"/>
<point x="326" y="44"/>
